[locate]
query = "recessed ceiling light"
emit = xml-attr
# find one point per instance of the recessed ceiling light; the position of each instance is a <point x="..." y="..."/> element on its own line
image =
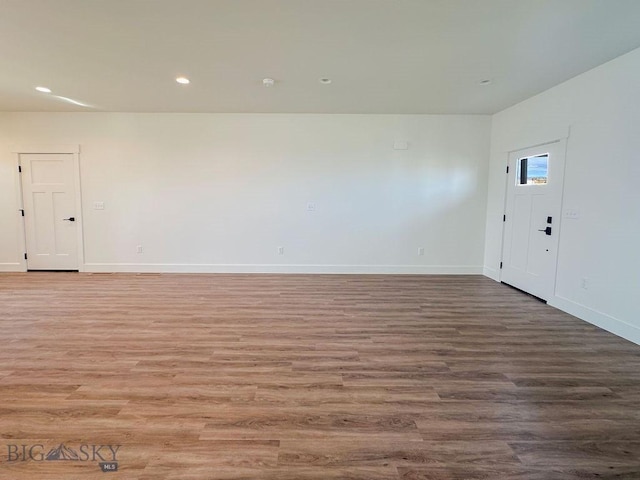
<point x="43" y="89"/>
<point x="486" y="81"/>
<point x="325" y="81"/>
<point x="183" y="80"/>
<point x="268" y="82"/>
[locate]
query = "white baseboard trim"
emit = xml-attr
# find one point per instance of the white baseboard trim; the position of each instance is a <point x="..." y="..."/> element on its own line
<point x="599" y="319"/>
<point x="492" y="273"/>
<point x="11" y="267"/>
<point x="279" y="268"/>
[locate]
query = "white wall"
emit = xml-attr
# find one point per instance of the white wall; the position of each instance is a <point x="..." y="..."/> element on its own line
<point x="601" y="110"/>
<point x="9" y="234"/>
<point x="209" y="192"/>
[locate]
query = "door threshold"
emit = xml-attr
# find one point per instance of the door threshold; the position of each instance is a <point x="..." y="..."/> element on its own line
<point x="525" y="292"/>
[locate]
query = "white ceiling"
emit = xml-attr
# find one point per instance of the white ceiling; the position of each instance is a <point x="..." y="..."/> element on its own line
<point x="384" y="56"/>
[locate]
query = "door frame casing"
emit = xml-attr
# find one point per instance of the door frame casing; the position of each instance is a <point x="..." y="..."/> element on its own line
<point x="563" y="140"/>
<point x="73" y="150"/>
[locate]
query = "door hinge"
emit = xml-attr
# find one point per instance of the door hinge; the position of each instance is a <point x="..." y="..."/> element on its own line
<point x="504" y="218"/>
<point x="25" y="256"/>
<point x="19" y="169"/>
<point x="507" y="168"/>
<point x="500" y="265"/>
<point x="22" y="212"/>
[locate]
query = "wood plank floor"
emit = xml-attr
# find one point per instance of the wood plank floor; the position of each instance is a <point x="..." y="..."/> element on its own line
<point x="308" y="377"/>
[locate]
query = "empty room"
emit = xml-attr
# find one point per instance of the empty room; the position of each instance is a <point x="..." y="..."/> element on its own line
<point x="320" y="239"/>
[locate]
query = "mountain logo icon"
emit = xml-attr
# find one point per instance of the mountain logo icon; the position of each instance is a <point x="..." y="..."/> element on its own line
<point x="61" y="452"/>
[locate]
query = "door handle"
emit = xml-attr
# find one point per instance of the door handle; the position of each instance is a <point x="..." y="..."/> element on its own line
<point x="546" y="230"/>
<point x="70" y="219"/>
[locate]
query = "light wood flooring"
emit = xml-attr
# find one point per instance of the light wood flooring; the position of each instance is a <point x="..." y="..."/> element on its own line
<point x="298" y="377"/>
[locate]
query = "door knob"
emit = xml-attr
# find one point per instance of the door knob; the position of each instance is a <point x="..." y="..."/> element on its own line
<point x="70" y="219"/>
<point x="546" y="230"/>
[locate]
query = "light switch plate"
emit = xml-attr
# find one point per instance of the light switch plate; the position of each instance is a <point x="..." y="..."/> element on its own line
<point x="98" y="205"/>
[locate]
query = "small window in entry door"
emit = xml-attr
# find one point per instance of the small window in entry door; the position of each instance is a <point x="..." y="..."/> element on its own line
<point x="533" y="170"/>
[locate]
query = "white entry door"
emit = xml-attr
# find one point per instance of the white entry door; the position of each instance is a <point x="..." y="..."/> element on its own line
<point x="532" y="218"/>
<point x="49" y="199"/>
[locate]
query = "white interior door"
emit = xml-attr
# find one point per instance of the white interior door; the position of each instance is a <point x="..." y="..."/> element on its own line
<point x="49" y="200"/>
<point x="532" y="220"/>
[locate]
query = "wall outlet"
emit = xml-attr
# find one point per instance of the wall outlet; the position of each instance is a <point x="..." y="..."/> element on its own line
<point x="139" y="249"/>
<point x="280" y="250"/>
<point x="400" y="145"/>
<point x="98" y="205"/>
<point x="584" y="283"/>
<point x="421" y="251"/>
<point x="311" y="207"/>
